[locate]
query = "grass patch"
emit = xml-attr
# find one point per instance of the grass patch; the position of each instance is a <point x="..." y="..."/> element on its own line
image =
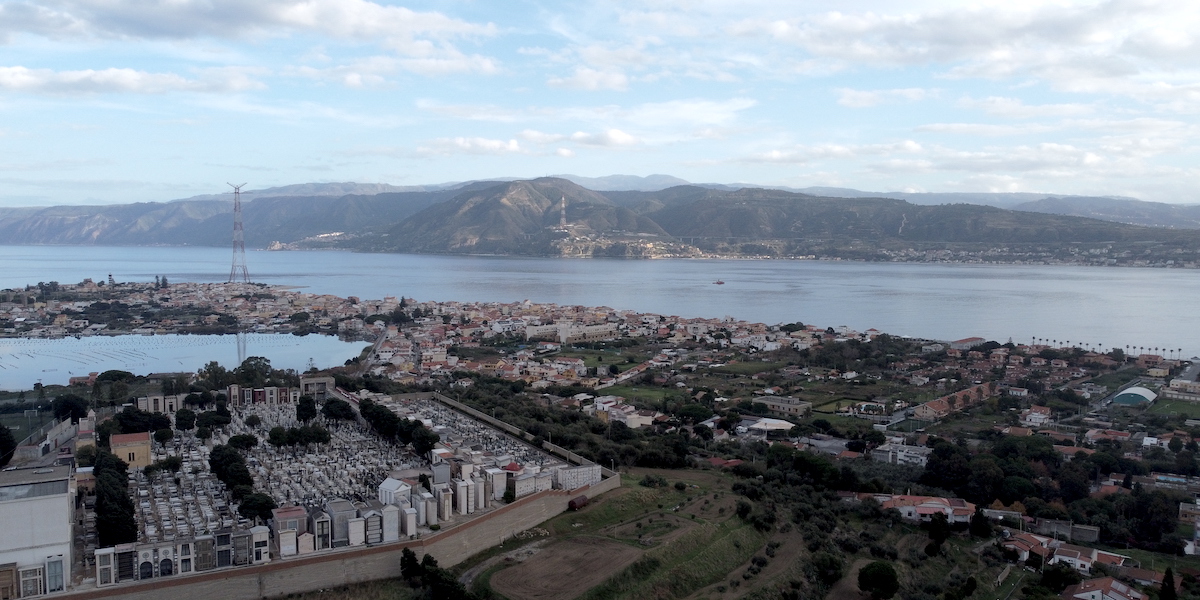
<point x="625" y="581"/>
<point x="1175" y="407"/>
<point x="21" y="427"/>
<point x="601" y="360"/>
<point x="1158" y="561"/>
<point x="1116" y="379"/>
<point x="482" y="585"/>
<point x="638" y="392"/>
<point x="389" y="589"/>
<point x="748" y="367"/>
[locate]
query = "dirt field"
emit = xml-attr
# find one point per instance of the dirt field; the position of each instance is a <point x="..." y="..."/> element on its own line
<point x="564" y="570"/>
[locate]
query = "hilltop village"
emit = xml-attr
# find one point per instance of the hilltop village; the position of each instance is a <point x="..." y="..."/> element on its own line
<point x="784" y="459"/>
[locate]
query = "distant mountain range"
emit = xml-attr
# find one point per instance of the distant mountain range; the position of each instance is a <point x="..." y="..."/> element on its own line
<point x="509" y="216"/>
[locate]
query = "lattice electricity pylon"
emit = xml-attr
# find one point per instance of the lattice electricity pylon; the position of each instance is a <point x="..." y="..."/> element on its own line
<point x="239" y="239"/>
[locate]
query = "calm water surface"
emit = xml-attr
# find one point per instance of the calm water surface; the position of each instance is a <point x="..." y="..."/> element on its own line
<point x="1089" y="305"/>
<point x="24" y="362"/>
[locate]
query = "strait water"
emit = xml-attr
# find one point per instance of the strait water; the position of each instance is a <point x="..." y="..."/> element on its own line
<point x="1092" y="306"/>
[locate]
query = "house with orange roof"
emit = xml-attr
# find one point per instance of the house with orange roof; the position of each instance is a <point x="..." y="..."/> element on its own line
<point x="1035" y="416"/>
<point x="1105" y="588"/>
<point x="1026" y="544"/>
<point x="1082" y="559"/>
<point x="922" y="508"/>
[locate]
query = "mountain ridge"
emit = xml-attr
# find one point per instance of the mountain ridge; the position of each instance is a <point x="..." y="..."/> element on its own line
<point x="524" y="217"/>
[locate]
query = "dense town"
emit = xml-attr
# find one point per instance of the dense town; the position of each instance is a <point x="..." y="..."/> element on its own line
<point x="962" y="468"/>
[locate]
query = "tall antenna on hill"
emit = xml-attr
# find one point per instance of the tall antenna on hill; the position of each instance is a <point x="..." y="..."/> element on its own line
<point x="562" y="216"/>
<point x="239" y="239"/>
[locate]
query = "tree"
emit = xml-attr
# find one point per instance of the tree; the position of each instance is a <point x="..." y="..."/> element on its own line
<point x="115" y="522"/>
<point x="163" y="436"/>
<point x="410" y="567"/>
<point x="879" y="580"/>
<point x="1175" y="445"/>
<point x="212" y="419"/>
<point x="1057" y="577"/>
<point x="84" y="457"/>
<point x="228" y="466"/>
<point x="306" y="409"/>
<point x="337" y="409"/>
<point x="135" y="420"/>
<point x="244" y="441"/>
<point x="424" y="440"/>
<point x="253" y="372"/>
<point x="185" y="419"/>
<point x="694" y="412"/>
<point x="253" y="421"/>
<point x="70" y="406"/>
<point x="257" y="506"/>
<point x="8" y="445"/>
<point x="203" y="433"/>
<point x="428" y="562"/>
<point x="828" y="567"/>
<point x="980" y="526"/>
<point x="1167" y="591"/>
<point x="278" y="436"/>
<point x="939" y="528"/>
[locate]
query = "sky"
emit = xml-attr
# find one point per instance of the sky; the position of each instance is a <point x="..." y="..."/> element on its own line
<point x="115" y="101"/>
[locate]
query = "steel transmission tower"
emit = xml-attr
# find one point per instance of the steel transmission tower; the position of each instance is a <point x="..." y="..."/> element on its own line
<point x="238" y="271"/>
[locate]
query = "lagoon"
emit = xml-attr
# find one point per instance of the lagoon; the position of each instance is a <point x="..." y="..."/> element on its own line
<point x="24" y="362"/>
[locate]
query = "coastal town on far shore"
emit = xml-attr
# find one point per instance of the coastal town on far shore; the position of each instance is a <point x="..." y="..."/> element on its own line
<point x="788" y="451"/>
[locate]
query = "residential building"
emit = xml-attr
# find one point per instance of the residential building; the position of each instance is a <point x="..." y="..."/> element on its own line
<point x="922" y="508"/>
<point x="36" y="514"/>
<point x="902" y="454"/>
<point x="1035" y="416"/>
<point x="785" y="406"/>
<point x="1105" y="588"/>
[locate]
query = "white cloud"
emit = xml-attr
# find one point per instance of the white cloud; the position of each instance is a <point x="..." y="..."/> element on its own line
<point x="421" y="40"/>
<point x="91" y="81"/>
<point x="1140" y="48"/>
<point x="802" y="154"/>
<point x="867" y="98"/>
<point x="351" y="19"/>
<point x="586" y="78"/>
<point x="469" y="145"/>
<point x="565" y="152"/>
<point x="1016" y="108"/>
<point x="538" y="137"/>
<point x="985" y="129"/>
<point x="609" y="138"/>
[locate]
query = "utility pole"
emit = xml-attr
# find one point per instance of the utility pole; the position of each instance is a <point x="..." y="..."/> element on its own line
<point x="238" y="270"/>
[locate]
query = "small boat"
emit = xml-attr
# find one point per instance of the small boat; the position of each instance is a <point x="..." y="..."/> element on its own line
<point x="718" y="282"/>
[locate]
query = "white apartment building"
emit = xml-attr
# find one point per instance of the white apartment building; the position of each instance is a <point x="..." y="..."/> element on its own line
<point x="35" y="547"/>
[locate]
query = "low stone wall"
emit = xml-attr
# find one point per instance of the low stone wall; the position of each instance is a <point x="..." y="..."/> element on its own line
<point x="341" y="567"/>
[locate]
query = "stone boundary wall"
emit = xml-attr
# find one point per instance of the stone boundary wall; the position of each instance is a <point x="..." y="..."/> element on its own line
<point x="341" y="567"/>
<point x="514" y="431"/>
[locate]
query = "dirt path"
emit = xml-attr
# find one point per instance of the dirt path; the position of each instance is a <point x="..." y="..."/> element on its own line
<point x="847" y="587"/>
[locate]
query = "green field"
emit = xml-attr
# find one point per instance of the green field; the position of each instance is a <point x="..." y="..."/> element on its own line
<point x="1175" y="407"/>
<point x="21" y="426"/>
<point x="647" y="394"/>
<point x="748" y="367"/>
<point x="602" y="360"/>
<point x="1116" y="379"/>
